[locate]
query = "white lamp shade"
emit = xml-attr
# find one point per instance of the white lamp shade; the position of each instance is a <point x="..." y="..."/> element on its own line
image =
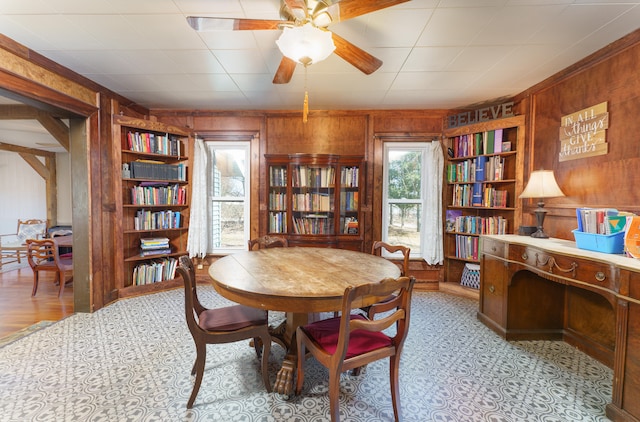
<point x="306" y="44"/>
<point x="542" y="184"/>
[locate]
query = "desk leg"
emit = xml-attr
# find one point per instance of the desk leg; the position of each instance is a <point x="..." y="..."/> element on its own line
<point x="284" y="379"/>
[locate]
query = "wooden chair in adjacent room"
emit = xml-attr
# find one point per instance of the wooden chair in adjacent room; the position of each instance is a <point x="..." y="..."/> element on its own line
<point x="268" y="241"/>
<point x="43" y="256"/>
<point x="352" y="340"/>
<point x="14" y="246"/>
<point x="221" y="325"/>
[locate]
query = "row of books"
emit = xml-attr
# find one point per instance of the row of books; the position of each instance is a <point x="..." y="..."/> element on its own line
<point x="154" y="143"/>
<point x="480" y="169"/>
<point x="488" y="142"/>
<point x="312" y="202"/>
<point x="349" y="177"/>
<point x="601" y="220"/>
<point x="158" y="195"/>
<point x="156" y="220"/>
<point x="349" y="201"/>
<point x="277" y="222"/>
<point x="149" y="169"/>
<point x="304" y="176"/>
<point x="349" y="225"/>
<point x="313" y="224"/>
<point x="154" y="271"/>
<point x="277" y="201"/>
<point x="472" y="224"/>
<point x="467" y="247"/>
<point x="277" y="176"/>
<point x="478" y="195"/>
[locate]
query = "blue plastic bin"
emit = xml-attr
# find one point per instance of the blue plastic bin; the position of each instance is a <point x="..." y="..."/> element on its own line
<point x="607" y="243"/>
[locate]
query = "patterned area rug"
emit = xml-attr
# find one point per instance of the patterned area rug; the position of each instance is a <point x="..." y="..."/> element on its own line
<point x="131" y="362"/>
<point x="24" y="332"/>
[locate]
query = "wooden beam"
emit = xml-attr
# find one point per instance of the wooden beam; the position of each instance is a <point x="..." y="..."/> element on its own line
<point x="56" y="128"/>
<point x="37" y="165"/>
<point x="18" y="112"/>
<point x="15" y="148"/>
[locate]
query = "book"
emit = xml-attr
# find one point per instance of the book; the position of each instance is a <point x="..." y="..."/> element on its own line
<point x="497" y="142"/>
<point x="450" y="220"/>
<point x="476" y="196"/>
<point x="480" y="168"/>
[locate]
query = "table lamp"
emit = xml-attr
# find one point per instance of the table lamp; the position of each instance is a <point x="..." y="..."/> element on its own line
<point x="542" y="184"/>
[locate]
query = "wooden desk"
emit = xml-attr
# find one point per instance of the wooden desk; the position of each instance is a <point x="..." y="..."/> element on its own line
<point x="549" y="289"/>
<point x="299" y="281"/>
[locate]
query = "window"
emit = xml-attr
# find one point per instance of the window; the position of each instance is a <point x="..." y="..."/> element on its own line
<point x="228" y="196"/>
<point x="411" y="203"/>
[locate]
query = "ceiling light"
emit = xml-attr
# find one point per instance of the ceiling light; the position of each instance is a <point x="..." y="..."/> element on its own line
<point x="306" y="44"/>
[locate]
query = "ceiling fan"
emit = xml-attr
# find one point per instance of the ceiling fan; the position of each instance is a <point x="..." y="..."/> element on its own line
<point x="307" y="16"/>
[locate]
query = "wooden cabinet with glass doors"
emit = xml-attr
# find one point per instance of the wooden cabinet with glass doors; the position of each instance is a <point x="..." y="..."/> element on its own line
<point x="483" y="179"/>
<point x="153" y="208"/>
<point x="314" y="199"/>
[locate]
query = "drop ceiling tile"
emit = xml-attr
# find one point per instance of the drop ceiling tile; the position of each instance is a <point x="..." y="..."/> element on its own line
<point x="429" y="59"/>
<point x="456" y="26"/>
<point x="194" y="61"/>
<point x="241" y="61"/>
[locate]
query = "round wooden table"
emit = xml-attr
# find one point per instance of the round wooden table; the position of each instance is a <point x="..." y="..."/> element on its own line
<point x="299" y="281"/>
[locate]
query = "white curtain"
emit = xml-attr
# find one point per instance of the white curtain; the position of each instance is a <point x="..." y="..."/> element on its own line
<point x="199" y="217"/>
<point x="433" y="231"/>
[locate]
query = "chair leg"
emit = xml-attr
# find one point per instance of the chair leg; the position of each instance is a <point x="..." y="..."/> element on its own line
<point x="61" y="279"/>
<point x="334" y="395"/>
<point x="35" y="283"/>
<point x="198" y="367"/>
<point x="300" y="366"/>
<point x="394" y="364"/>
<point x="264" y="365"/>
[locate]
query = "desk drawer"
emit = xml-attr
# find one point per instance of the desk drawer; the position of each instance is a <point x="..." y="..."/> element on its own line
<point x="592" y="272"/>
<point x="493" y="247"/>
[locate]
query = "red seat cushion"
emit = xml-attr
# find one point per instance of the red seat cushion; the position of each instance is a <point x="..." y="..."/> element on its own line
<point x="231" y="318"/>
<point x="326" y="332"/>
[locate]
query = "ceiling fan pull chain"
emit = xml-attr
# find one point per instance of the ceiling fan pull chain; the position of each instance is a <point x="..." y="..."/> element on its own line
<point x="305" y="106"/>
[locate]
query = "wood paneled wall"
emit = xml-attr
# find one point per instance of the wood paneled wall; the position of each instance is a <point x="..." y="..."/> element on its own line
<point x="609" y="180"/>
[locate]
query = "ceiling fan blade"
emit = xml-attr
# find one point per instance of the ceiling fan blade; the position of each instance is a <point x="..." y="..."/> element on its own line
<point x="348" y="9"/>
<point x="200" y="23"/>
<point x="297" y="8"/>
<point x="359" y="58"/>
<point x="285" y="71"/>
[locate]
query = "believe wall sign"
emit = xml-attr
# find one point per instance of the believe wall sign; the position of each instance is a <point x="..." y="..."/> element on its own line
<point x="481" y="115"/>
<point x="583" y="133"/>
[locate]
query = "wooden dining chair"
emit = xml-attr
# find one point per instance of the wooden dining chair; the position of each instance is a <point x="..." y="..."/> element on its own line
<point x="268" y="241"/>
<point x="43" y="256"/>
<point x="352" y="340"/>
<point x="221" y="325"/>
<point x="377" y="249"/>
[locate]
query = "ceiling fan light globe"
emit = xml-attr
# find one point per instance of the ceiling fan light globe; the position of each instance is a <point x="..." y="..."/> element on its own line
<point x="306" y="44"/>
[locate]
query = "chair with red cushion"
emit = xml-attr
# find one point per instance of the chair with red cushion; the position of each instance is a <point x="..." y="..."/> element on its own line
<point x="221" y="325"/>
<point x="351" y="340"/>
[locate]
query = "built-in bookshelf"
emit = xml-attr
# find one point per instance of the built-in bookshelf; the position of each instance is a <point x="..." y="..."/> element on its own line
<point x="313" y="199"/>
<point x="483" y="171"/>
<point x="154" y="205"/>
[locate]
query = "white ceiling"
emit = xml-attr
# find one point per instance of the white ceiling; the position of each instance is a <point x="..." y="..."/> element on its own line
<point x="436" y="53"/>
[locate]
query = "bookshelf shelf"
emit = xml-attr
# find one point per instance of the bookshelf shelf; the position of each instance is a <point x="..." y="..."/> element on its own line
<point x="483" y="183"/>
<point x="154" y="202"/>
<point x="313" y="199"/>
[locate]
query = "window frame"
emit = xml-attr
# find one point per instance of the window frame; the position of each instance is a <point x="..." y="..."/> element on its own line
<point x="215" y="145"/>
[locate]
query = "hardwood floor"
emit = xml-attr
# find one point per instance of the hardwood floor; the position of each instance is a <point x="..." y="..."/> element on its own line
<point x="18" y="309"/>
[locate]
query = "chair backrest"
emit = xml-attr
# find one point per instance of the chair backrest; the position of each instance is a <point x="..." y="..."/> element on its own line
<point x="31" y="229"/>
<point x="268" y="241"/>
<point x="402" y="289"/>
<point x="40" y="252"/>
<point x="192" y="306"/>
<point x="378" y="246"/>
